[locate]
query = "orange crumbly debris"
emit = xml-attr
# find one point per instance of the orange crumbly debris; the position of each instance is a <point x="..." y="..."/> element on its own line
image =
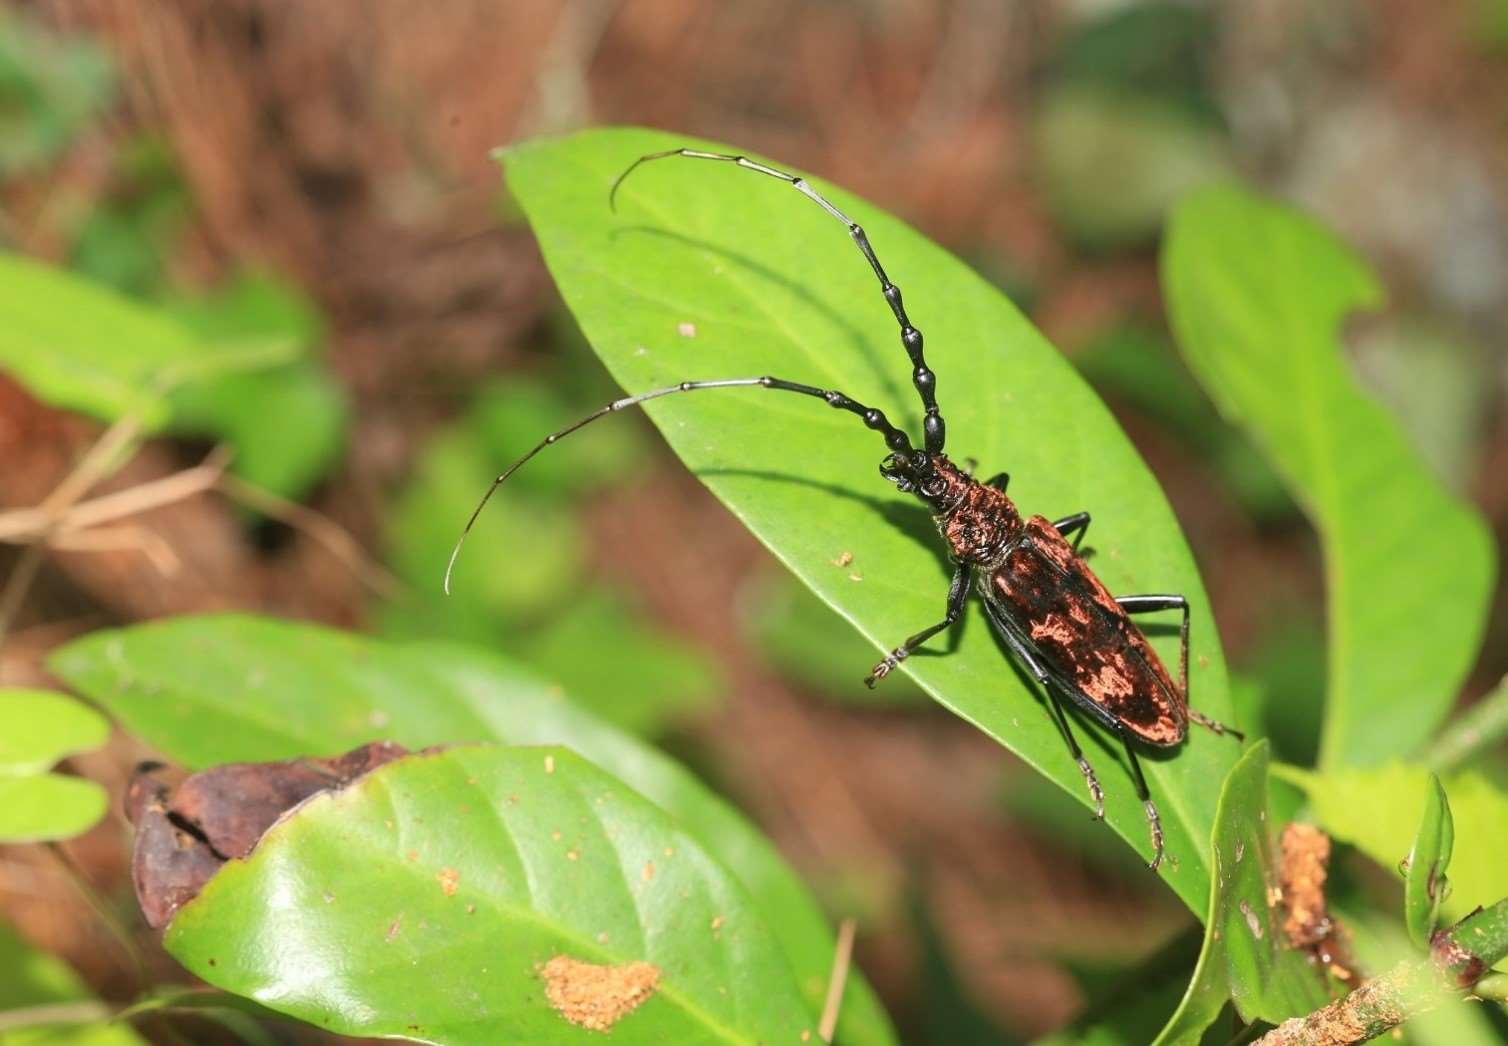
<point x="449" y="879"/>
<point x="597" y="997"/>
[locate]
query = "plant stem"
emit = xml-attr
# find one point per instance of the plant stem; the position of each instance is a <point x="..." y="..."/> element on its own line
<point x="1480" y="727"/>
<point x="1458" y="958"/>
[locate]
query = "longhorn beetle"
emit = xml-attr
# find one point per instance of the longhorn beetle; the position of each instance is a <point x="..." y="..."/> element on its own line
<point x="1058" y="620"/>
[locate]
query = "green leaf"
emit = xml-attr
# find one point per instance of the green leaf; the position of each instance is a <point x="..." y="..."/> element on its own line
<point x="209" y="690"/>
<point x="76" y="345"/>
<point x="1257" y="293"/>
<point x="42" y="727"/>
<point x="47" y="807"/>
<point x="79" y="346"/>
<point x="631" y="675"/>
<point x="518" y="558"/>
<point x="490" y="864"/>
<point x="1377" y="810"/>
<point x="707" y="271"/>
<point x="33" y="978"/>
<point x="810" y="644"/>
<point x="1244" y="957"/>
<point x="1112" y="165"/>
<point x="1425" y="886"/>
<point x="289" y="457"/>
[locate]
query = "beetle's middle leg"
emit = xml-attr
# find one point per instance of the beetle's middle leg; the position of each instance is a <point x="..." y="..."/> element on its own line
<point x="958" y="595"/>
<point x="1147" y="604"/>
<point x="1023" y="652"/>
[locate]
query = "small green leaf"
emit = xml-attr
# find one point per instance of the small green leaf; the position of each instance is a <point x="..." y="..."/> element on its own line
<point x="76" y="345"/>
<point x="1245" y="957"/>
<point x="707" y="271"/>
<point x="42" y="727"/>
<point x="209" y="690"/>
<point x="48" y="807"/>
<point x="51" y="86"/>
<point x="495" y="866"/>
<point x="1425" y="887"/>
<point x="1257" y="294"/>
<point x="1377" y="811"/>
<point x="32" y="978"/>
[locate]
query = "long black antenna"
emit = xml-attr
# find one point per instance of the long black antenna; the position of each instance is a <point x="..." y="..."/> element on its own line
<point x="933" y="428"/>
<point x="895" y="439"/>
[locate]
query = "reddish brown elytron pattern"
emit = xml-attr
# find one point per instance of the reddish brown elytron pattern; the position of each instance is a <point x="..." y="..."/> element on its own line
<point x="1082" y="632"/>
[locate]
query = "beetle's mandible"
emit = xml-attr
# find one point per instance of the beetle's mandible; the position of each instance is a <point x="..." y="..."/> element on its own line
<point x="1054" y="615"/>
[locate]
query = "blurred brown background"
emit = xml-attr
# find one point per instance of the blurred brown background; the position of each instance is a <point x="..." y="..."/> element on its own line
<point x="345" y="146"/>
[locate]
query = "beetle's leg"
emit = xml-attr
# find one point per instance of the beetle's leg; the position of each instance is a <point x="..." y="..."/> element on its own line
<point x="999" y="481"/>
<point x="958" y="595"/>
<point x="1146" y="604"/>
<point x="1153" y="821"/>
<point x="1078" y="523"/>
<point x="1023" y="652"/>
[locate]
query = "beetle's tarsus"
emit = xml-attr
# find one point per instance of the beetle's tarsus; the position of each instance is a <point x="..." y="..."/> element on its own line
<point x="1155" y="823"/>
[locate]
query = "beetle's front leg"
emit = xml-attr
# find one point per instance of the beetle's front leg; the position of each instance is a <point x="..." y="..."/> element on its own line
<point x="958" y="594"/>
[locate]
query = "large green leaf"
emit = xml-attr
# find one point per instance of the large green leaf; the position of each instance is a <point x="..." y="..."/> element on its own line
<point x="1257" y="295"/>
<point x="31" y="980"/>
<point x="212" y="690"/>
<point x="707" y="271"/>
<point x="445" y="897"/>
<point x="1245" y="957"/>
<point x="1380" y="811"/>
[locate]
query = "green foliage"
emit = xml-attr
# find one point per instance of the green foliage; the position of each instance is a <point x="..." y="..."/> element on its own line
<point x="1245" y="957"/>
<point x="484" y="865"/>
<point x="50" y="88"/>
<point x="287" y="424"/>
<point x="213" y="690"/>
<point x="41" y="728"/>
<point x="1138" y="367"/>
<point x="127" y="235"/>
<point x="1425" y="884"/>
<point x="1112" y="164"/>
<point x="810" y="644"/>
<point x="1378" y="810"/>
<point x="1153" y="50"/>
<point x="521" y="586"/>
<point x="608" y="659"/>
<point x="708" y="272"/>
<point x="1257" y="294"/>
<point x="33" y="978"/>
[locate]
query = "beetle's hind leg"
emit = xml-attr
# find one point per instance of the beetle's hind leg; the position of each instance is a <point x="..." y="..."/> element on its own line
<point x="1023" y="652"/>
<point x="1154" y="822"/>
<point x="1147" y="604"/>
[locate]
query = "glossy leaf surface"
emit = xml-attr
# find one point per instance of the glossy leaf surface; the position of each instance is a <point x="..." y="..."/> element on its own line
<point x="1245" y="957"/>
<point x="482" y="866"/>
<point x="208" y="690"/>
<point x="1257" y="294"/>
<point x="707" y="271"/>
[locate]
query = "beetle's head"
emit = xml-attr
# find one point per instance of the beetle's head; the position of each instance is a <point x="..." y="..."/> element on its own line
<point x="916" y="472"/>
